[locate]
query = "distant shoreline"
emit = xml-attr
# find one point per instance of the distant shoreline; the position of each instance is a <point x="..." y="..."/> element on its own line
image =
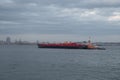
<point x="96" y="43"/>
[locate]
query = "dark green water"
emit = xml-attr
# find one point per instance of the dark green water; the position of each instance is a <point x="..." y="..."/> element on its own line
<point x="18" y="62"/>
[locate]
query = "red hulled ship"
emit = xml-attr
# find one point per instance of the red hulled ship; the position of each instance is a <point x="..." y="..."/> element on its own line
<point x="69" y="45"/>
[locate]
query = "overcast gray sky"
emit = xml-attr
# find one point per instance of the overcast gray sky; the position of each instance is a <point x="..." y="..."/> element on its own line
<point x="60" y="20"/>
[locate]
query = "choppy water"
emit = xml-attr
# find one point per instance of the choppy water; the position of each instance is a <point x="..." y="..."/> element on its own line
<point x="18" y="62"/>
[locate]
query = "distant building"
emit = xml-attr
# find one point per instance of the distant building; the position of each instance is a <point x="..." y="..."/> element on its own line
<point x="2" y="42"/>
<point x="8" y="40"/>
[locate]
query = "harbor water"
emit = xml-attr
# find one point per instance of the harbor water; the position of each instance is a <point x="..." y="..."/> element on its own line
<point x="27" y="62"/>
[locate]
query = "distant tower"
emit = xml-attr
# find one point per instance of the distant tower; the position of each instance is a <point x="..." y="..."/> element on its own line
<point x="20" y="41"/>
<point x="8" y="40"/>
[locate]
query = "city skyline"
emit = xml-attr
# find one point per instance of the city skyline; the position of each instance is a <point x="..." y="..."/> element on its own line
<point x="64" y="20"/>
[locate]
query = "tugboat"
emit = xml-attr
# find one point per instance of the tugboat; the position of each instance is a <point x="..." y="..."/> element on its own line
<point x="70" y="45"/>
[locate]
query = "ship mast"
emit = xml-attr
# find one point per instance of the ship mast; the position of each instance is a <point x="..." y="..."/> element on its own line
<point x="89" y="41"/>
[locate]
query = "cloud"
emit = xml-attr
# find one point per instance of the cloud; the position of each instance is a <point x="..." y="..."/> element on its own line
<point x="79" y="14"/>
<point x="60" y="17"/>
<point x="8" y="22"/>
<point x="98" y="3"/>
<point x="3" y="2"/>
<point x="115" y="17"/>
<point x="86" y="3"/>
<point x="32" y="4"/>
<point x="29" y="14"/>
<point x="7" y="3"/>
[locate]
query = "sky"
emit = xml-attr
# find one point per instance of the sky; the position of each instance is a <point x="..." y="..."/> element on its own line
<point x="60" y="20"/>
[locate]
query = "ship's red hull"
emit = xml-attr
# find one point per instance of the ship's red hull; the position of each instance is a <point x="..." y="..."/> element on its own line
<point x="62" y="45"/>
<point x="67" y="46"/>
